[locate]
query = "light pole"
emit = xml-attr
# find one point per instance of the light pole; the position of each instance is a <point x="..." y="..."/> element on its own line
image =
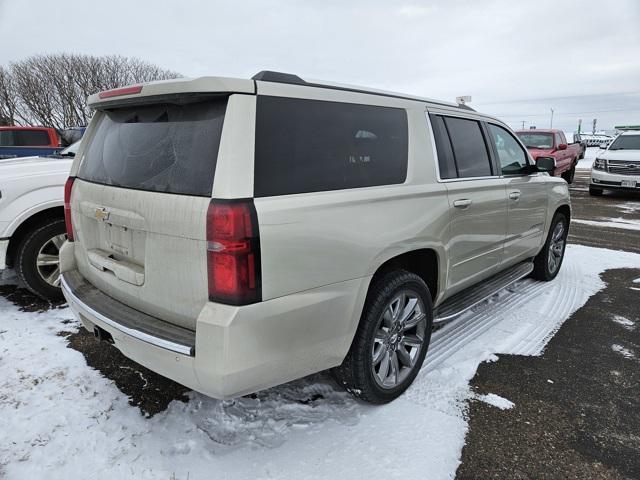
<point x="522" y="124"/>
<point x="551" y="126"/>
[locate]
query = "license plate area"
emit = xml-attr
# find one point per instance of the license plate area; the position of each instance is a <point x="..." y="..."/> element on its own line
<point x="629" y="183"/>
<point x="118" y="239"/>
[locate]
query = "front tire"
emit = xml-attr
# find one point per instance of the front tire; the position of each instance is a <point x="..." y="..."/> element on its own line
<point x="37" y="260"/>
<point x="547" y="263"/>
<point x="391" y="341"/>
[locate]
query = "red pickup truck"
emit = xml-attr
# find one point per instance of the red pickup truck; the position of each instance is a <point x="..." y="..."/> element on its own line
<point x="28" y="141"/>
<point x="553" y="144"/>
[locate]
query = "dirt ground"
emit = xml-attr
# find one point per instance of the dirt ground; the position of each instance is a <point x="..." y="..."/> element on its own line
<point x="577" y="407"/>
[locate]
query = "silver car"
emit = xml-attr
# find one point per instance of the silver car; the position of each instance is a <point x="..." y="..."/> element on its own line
<point x="235" y="234"/>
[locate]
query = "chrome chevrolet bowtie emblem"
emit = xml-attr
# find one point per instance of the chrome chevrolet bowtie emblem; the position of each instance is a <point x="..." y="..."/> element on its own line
<point x="101" y="214"/>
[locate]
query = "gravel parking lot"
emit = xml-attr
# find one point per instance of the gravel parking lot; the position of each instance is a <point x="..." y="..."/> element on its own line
<point x="541" y="381"/>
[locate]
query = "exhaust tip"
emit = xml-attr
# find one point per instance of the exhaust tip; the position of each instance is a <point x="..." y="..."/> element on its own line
<point x="102" y="335"/>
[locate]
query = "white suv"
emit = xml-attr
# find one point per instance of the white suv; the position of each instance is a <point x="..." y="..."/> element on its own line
<point x="237" y="234"/>
<point x="618" y="167"/>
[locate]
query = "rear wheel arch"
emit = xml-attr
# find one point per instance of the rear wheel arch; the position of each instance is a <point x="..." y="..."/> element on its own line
<point x="424" y="262"/>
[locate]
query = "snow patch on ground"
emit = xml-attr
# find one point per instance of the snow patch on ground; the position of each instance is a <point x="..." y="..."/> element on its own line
<point x="625" y="352"/>
<point x="496" y="400"/>
<point x="625" y="322"/>
<point x="58" y="417"/>
<point x="589" y="156"/>
<point x="626" y="224"/>
<point x="629" y="207"/>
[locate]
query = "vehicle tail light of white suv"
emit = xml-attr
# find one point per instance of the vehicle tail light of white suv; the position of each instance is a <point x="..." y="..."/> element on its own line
<point x="67" y="207"/>
<point x="233" y="252"/>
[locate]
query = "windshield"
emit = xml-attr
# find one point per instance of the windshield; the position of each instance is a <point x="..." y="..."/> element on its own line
<point x="71" y="150"/>
<point x="626" y="142"/>
<point x="537" y="140"/>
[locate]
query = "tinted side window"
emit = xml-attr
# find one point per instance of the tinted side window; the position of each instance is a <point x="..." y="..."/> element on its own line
<point x="443" y="146"/>
<point x="31" y="138"/>
<point x="469" y="148"/>
<point x="310" y="146"/>
<point x="513" y="159"/>
<point x="558" y="140"/>
<point x="6" y="138"/>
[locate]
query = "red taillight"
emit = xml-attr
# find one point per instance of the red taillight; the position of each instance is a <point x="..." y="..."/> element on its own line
<point x="67" y="207"/>
<point x="120" y="91"/>
<point x="233" y="252"/>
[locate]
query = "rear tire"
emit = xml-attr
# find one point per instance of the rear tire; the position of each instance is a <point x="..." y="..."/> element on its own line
<point x="569" y="175"/>
<point x="596" y="192"/>
<point x="37" y="259"/>
<point x="391" y="341"/>
<point x="547" y="263"/>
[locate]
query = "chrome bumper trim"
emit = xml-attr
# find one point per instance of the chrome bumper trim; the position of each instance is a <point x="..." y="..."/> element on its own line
<point x="145" y="337"/>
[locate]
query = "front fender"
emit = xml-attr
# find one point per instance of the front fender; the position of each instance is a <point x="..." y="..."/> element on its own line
<point x="558" y="196"/>
<point x="18" y="209"/>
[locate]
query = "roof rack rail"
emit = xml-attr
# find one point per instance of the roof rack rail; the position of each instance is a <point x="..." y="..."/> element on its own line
<point x="291" y="79"/>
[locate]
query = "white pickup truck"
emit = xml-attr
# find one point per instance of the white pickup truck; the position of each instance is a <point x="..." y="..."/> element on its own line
<point x="32" y="227"/>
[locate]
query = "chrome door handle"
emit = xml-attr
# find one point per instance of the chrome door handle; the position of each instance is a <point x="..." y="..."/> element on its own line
<point x="462" y="203"/>
<point x="514" y="195"/>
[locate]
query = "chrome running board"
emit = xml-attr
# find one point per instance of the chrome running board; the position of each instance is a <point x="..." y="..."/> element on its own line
<point x="459" y="303"/>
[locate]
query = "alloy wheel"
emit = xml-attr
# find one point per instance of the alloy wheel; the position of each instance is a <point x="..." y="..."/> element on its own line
<point x="48" y="260"/>
<point x="399" y="339"/>
<point x="556" y="247"/>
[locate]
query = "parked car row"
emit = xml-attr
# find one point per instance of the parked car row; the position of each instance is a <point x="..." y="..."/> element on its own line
<point x="596" y="139"/>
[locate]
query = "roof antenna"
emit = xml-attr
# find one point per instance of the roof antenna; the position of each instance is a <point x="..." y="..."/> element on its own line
<point x="463" y="100"/>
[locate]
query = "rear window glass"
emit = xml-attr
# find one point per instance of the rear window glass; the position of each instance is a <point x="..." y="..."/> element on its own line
<point x="6" y="138"/>
<point x="31" y="138"/>
<point x="162" y="147"/>
<point x="446" y="162"/>
<point x="469" y="148"/>
<point x="310" y="145"/>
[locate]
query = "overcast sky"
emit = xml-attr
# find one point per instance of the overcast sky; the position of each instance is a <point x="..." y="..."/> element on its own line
<point x="517" y="59"/>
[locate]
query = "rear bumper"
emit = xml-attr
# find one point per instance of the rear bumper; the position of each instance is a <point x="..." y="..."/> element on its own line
<point x="236" y="350"/>
<point x="601" y="179"/>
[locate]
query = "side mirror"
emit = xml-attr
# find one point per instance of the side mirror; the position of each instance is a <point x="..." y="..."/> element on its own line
<point x="546" y="164"/>
<point x="603" y="145"/>
<point x="562" y="146"/>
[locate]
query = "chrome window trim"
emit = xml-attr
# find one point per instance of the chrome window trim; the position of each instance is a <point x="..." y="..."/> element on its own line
<point x="464" y="179"/>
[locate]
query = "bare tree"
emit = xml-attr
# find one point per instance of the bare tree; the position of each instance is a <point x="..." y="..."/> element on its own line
<point x="51" y="90"/>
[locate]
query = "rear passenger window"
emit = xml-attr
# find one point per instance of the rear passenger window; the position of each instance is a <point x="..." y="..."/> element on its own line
<point x="443" y="146"/>
<point x="310" y="146"/>
<point x="469" y="148"/>
<point x="31" y="138"/>
<point x="6" y="138"/>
